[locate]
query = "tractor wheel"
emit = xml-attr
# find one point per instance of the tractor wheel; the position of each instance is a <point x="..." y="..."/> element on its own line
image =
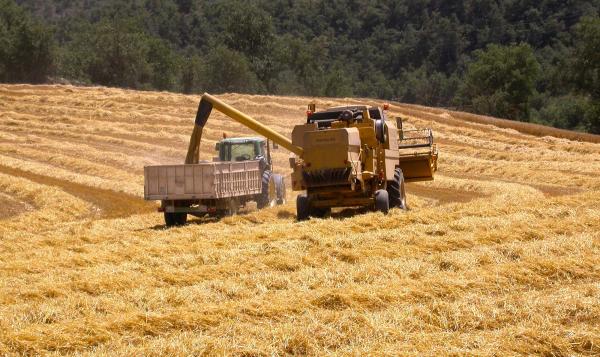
<point x="382" y="201"/>
<point x="232" y="207"/>
<point x="302" y="207"/>
<point x="279" y="188"/>
<point x="396" y="190"/>
<point x="268" y="196"/>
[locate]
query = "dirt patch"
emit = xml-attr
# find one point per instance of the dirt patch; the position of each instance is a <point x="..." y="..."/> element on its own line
<point x="109" y="204"/>
<point x="552" y="191"/>
<point x="12" y="207"/>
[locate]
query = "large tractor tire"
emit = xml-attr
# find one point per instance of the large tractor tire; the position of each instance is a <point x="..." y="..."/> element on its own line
<point x="302" y="207"/>
<point x="382" y="201"/>
<point x="266" y="197"/>
<point x="279" y="188"/>
<point x="175" y="219"/>
<point x="396" y="190"/>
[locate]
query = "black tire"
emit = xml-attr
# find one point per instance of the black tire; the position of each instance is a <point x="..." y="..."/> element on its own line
<point x="175" y="219"/>
<point x="262" y="200"/>
<point x="280" y="188"/>
<point x="181" y="218"/>
<point x="382" y="201"/>
<point x="397" y="191"/>
<point x="320" y="212"/>
<point x="302" y="207"/>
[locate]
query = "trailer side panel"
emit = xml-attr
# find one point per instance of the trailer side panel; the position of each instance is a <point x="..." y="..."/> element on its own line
<point x="211" y="180"/>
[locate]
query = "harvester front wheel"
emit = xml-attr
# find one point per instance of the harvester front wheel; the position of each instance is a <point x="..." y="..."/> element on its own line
<point x="302" y="207"/>
<point x="382" y="201"/>
<point x="396" y="190"/>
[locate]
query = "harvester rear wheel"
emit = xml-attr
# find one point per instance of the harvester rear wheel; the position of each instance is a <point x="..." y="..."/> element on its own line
<point x="396" y="190"/>
<point x="382" y="201"/>
<point x="302" y="207"/>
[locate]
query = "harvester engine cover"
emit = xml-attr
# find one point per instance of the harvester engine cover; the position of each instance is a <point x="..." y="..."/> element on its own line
<point x="331" y="157"/>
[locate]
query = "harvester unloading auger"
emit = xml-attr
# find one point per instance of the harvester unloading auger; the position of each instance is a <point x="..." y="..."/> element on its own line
<point x="349" y="156"/>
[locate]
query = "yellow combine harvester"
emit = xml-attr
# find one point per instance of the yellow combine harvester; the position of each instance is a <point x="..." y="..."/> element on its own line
<point x="349" y="156"/>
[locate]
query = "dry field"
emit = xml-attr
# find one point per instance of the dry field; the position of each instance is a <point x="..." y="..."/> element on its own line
<point x="500" y="255"/>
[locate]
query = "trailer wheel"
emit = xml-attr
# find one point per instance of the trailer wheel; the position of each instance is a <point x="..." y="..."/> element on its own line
<point x="302" y="207"/>
<point x="320" y="212"/>
<point x="175" y="218"/>
<point x="181" y="218"/>
<point x="396" y="190"/>
<point x="382" y="201"/>
<point x="268" y="196"/>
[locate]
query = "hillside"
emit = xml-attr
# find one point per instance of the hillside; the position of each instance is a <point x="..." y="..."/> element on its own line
<point x="522" y="60"/>
<point x="497" y="256"/>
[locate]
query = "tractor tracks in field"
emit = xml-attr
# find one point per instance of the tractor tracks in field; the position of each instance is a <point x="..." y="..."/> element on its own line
<point x="109" y="204"/>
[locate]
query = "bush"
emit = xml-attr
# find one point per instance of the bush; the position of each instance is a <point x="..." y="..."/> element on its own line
<point x="227" y="70"/>
<point x="501" y="81"/>
<point x="567" y="112"/>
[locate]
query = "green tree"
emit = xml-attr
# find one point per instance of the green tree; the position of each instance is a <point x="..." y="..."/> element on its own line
<point x="26" y="46"/>
<point x="501" y="81"/>
<point x="191" y="74"/>
<point x="227" y="70"/>
<point x="585" y="67"/>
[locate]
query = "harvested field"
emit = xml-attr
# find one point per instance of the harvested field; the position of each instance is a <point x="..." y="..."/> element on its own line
<point x="498" y="256"/>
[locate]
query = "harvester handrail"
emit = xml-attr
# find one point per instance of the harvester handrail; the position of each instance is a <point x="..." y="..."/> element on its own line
<point x="424" y="140"/>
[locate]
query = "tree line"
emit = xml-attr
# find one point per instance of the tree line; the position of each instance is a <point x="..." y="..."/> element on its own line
<point x="525" y="60"/>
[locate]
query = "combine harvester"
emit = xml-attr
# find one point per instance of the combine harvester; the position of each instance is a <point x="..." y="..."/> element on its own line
<point x="349" y="156"/>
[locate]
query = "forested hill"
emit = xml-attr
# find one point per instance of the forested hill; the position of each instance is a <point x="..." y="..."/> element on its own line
<point x="526" y="60"/>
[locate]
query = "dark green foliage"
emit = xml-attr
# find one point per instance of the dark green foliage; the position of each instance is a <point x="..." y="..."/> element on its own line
<point x="518" y="59"/>
<point x="585" y="68"/>
<point x="564" y="112"/>
<point x="227" y="70"/>
<point x="25" y="46"/>
<point x="501" y="81"/>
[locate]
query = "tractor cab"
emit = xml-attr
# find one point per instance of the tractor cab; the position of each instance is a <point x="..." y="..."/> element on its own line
<point x="242" y="149"/>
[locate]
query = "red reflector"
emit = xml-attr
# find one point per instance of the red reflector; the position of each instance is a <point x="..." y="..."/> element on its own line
<point x="308" y="113"/>
<point x="386" y="106"/>
<point x="212" y="209"/>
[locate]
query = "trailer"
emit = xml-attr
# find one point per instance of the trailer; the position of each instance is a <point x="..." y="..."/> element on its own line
<point x="241" y="173"/>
